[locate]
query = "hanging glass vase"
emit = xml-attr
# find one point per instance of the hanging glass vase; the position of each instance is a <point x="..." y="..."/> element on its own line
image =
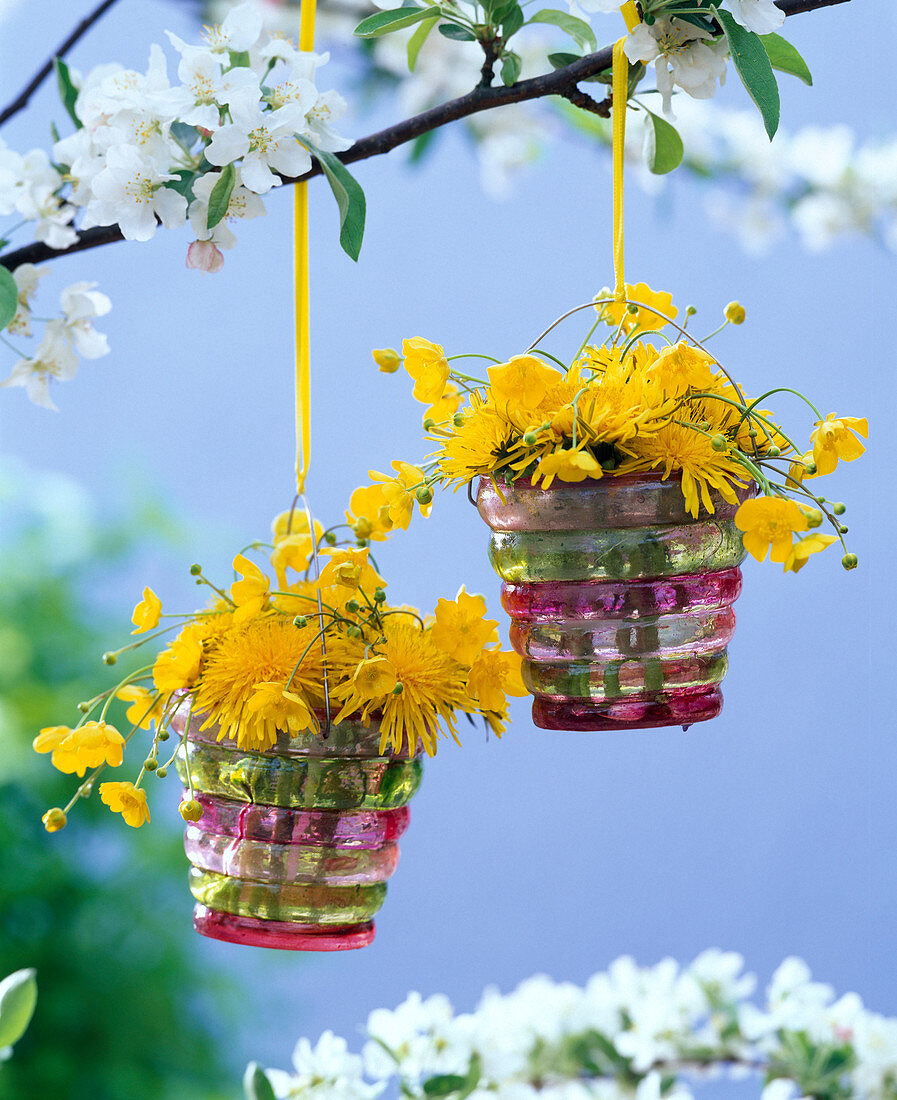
<point x="620" y="601"/>
<point x="295" y="843"/>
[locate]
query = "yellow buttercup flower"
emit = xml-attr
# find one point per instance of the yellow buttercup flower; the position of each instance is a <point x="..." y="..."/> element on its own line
<point x="146" y="706"/>
<point x="445" y="408"/>
<point x="291" y="552"/>
<point x="374" y="677"/>
<point x="735" y="313"/>
<point x="494" y="675"/>
<point x="519" y="386"/>
<point x="368" y="513"/>
<point x="427" y="365"/>
<point x="387" y="359"/>
<point x="294" y="522"/>
<point x="646" y="317"/>
<point x="178" y="666"/>
<point x="347" y="571"/>
<point x="146" y="613"/>
<point x="803" y="548"/>
<point x="127" y="800"/>
<point x="834" y="438"/>
<point x="251" y="593"/>
<point x="462" y="629"/>
<point x="88" y="746"/>
<point x="572" y="466"/>
<point x="769" y="523"/>
<point x="270" y="708"/>
<point x="400" y="492"/>
<point x="679" y="368"/>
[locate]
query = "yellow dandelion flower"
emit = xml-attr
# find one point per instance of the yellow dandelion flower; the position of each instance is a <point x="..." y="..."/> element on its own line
<point x="247" y="655"/>
<point x="681" y="446"/>
<point x="480" y="445"/>
<point x="433" y="687"/>
<point x="146" y="613"/>
<point x="461" y="629"/>
<point x="127" y="800"/>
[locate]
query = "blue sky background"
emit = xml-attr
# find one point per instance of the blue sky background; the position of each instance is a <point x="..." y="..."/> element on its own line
<point x="768" y="831"/>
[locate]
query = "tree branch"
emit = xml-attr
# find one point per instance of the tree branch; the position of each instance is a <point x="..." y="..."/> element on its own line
<point x="562" y="82"/>
<point x="21" y="100"/>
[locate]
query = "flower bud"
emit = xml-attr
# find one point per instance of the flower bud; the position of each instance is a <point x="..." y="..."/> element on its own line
<point x="735" y="313"/>
<point x="387" y="359"/>
<point x="424" y="495"/>
<point x="842" y="528"/>
<point x="330" y="538"/>
<point x="300" y="621"/>
<point x="352" y="606"/>
<point x="399" y="688"/>
<point x="810" y="468"/>
<point x="839" y="509"/>
<point x="719" y="442"/>
<point x="151" y="763"/>
<point x="161" y="772"/>
<point x="163" y="735"/>
<point x="379" y="595"/>
<point x="850" y="561"/>
<point x="631" y="307"/>
<point x="109" y="658"/>
<point x="773" y="452"/>
<point x="690" y="311"/>
<point x="814" y="517"/>
<point x="353" y="631"/>
<point x="204" y="256"/>
<point x="190" y="810"/>
<point x="529" y="438"/>
<point x="195" y="570"/>
<point x="429" y="424"/>
<point x="84" y="707"/>
<point x="458" y="419"/>
<point x="54" y="820"/>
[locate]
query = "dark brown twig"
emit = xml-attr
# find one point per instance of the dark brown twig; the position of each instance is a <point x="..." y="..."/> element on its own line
<point x="562" y="82"/>
<point x="21" y="100"/>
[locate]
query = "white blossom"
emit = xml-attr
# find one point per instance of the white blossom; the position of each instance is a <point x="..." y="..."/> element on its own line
<point x="685" y="55"/>
<point x="266" y="140"/>
<point x="131" y="192"/>
<point x="80" y="305"/>
<point x="53" y="360"/>
<point x="205" y="88"/>
<point x="27" y="277"/>
<point x="759" y="16"/>
<point x="238" y="32"/>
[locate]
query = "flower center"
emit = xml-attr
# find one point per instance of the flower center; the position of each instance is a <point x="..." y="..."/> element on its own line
<point x="260" y="140"/>
<point x="140" y="189"/>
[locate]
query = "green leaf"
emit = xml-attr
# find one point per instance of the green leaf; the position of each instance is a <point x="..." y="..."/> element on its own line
<point x="184" y="133"/>
<point x="219" y="200"/>
<point x="9" y="303"/>
<point x="664" y="149"/>
<point x="512" y="22"/>
<point x="578" y="29"/>
<point x="417" y="40"/>
<point x="753" y="66"/>
<point x="239" y="59"/>
<point x="68" y="93"/>
<point x="498" y="10"/>
<point x="510" y="69"/>
<point x="256" y="1085"/>
<point x="382" y="22"/>
<point x="443" y="1085"/>
<point x="349" y="198"/>
<point x="785" y="57"/>
<point x="18" y="996"/>
<point x="456" y="33"/>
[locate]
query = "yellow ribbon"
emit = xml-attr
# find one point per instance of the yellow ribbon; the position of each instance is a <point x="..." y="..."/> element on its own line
<point x="300" y="283"/>
<point x="620" y="96"/>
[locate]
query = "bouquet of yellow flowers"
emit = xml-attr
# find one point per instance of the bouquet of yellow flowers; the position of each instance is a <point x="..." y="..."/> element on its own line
<point x="282" y="652"/>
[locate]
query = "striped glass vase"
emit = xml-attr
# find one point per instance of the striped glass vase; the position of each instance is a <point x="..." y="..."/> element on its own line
<point x="295" y="844"/>
<point x="620" y="601"/>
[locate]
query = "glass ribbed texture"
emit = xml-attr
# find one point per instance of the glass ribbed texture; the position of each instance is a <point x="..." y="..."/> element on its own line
<point x="295" y="844"/>
<point x="621" y="603"/>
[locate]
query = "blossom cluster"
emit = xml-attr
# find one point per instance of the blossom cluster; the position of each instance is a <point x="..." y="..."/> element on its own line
<point x="285" y="653"/>
<point x="622" y="407"/>
<point x="631" y="1031"/>
<point x="145" y="152"/>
